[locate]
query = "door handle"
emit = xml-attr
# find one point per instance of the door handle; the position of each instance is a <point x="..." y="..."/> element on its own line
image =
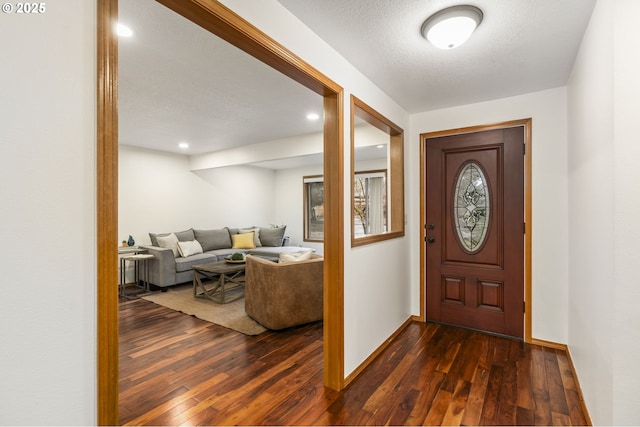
<point x="431" y="239"/>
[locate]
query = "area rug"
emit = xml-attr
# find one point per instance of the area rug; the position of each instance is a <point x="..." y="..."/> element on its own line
<point x="230" y="315"/>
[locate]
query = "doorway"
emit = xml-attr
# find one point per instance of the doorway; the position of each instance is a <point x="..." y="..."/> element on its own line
<point x="222" y="22"/>
<point x="476" y="239"/>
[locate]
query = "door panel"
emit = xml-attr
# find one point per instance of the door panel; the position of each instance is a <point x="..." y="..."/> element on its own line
<point x="475" y="236"/>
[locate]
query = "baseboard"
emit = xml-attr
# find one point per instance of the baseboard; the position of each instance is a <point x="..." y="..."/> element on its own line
<point x="565" y="348"/>
<point x="352" y="376"/>
<point x="549" y="344"/>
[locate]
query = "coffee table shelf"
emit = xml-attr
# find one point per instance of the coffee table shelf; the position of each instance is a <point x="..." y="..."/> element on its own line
<point x="220" y="282"/>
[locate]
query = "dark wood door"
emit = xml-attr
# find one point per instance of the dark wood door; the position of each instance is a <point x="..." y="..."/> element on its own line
<point x="475" y="230"/>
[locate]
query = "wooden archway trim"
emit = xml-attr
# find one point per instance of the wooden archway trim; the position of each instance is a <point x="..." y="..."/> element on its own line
<point x="107" y="210"/>
<point x="224" y="23"/>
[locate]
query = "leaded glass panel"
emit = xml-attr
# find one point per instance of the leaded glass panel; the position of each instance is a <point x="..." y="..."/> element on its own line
<point x="471" y="207"/>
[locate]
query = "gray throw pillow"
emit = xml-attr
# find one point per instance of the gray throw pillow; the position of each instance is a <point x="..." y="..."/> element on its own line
<point x="272" y="236"/>
<point x="213" y="239"/>
<point x="183" y="236"/>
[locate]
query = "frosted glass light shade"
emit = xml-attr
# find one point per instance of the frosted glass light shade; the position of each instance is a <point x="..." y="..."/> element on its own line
<point x="451" y="27"/>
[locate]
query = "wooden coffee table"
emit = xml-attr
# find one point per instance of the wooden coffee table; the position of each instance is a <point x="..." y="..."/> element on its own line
<point x="225" y="281"/>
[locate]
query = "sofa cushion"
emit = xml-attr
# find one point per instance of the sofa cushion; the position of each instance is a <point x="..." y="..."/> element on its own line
<point x="183" y="236"/>
<point x="272" y="236"/>
<point x="169" y="241"/>
<point x="187" y="249"/>
<point x="243" y="241"/>
<point x="222" y="253"/>
<point x="186" y="264"/>
<point x="213" y="239"/>
<point x="295" y="256"/>
<point x="236" y="230"/>
<point x="256" y="235"/>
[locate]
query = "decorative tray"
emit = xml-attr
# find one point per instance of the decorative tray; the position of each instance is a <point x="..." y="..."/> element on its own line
<point x="234" y="261"/>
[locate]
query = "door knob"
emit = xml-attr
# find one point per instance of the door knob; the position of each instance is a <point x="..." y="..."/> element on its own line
<point x="431" y="239"/>
<point x="430" y="226"/>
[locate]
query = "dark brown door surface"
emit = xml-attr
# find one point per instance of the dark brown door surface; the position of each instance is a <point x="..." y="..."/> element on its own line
<point x="475" y="231"/>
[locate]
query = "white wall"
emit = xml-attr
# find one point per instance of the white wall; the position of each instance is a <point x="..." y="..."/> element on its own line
<point x="603" y="156"/>
<point x="626" y="331"/>
<point x="48" y="210"/>
<point x="290" y="203"/>
<point x="547" y="109"/>
<point x="158" y="193"/>
<point x="367" y="289"/>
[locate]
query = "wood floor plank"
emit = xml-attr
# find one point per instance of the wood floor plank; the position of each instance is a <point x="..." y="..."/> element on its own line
<point x="491" y="407"/>
<point x="161" y="409"/>
<point x="382" y="392"/>
<point x="455" y="411"/>
<point x="438" y="408"/>
<point x="176" y="369"/>
<point x="476" y="399"/>
<point x="542" y="407"/>
<point x="557" y="395"/>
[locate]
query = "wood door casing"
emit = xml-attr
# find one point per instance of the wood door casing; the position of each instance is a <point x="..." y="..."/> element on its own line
<point x="481" y="288"/>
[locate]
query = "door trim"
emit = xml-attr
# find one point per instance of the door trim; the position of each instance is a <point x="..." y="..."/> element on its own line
<point x="227" y="25"/>
<point x="526" y="123"/>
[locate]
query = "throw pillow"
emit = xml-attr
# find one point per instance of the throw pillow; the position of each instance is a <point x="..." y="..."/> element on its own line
<point x="295" y="256"/>
<point x="243" y="241"/>
<point x="256" y="235"/>
<point x="189" y="248"/>
<point x="272" y="236"/>
<point x="183" y="236"/>
<point x="213" y="239"/>
<point x="169" y="242"/>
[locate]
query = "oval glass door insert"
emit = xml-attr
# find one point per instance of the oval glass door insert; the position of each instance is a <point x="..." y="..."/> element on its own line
<point x="471" y="207"/>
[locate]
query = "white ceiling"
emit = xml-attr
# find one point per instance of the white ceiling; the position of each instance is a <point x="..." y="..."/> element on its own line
<point x="179" y="83"/>
<point x="521" y="46"/>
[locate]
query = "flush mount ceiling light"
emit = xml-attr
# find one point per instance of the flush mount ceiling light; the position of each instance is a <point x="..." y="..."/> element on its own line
<point x="313" y="116"/>
<point x="451" y="27"/>
<point x="183" y="145"/>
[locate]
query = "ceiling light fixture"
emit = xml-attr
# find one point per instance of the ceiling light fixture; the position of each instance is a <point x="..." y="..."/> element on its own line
<point x="313" y="116"/>
<point x="183" y="145"/>
<point x="451" y="27"/>
<point x="123" y="31"/>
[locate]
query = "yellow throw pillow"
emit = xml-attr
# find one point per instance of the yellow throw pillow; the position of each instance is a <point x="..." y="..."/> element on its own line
<point x="243" y="241"/>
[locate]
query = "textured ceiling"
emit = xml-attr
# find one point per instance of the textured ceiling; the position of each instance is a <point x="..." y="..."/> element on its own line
<point x="521" y="46"/>
<point x="177" y="82"/>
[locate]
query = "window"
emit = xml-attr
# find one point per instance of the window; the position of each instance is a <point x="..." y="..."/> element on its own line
<point x="313" y="194"/>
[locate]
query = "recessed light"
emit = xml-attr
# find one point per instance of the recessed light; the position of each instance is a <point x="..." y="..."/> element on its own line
<point x="380" y="146"/>
<point x="313" y="116"/>
<point x="183" y="145"/>
<point x="123" y="31"/>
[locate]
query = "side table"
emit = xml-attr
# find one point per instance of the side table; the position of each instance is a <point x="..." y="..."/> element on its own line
<point x="141" y="275"/>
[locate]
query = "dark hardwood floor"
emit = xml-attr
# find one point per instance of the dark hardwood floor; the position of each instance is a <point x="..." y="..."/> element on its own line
<point x="176" y="369"/>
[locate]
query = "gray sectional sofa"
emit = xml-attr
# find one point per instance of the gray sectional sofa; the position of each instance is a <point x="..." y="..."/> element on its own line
<point x="168" y="267"/>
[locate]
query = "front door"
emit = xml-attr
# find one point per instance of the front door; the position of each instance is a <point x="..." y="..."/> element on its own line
<point x="475" y="230"/>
